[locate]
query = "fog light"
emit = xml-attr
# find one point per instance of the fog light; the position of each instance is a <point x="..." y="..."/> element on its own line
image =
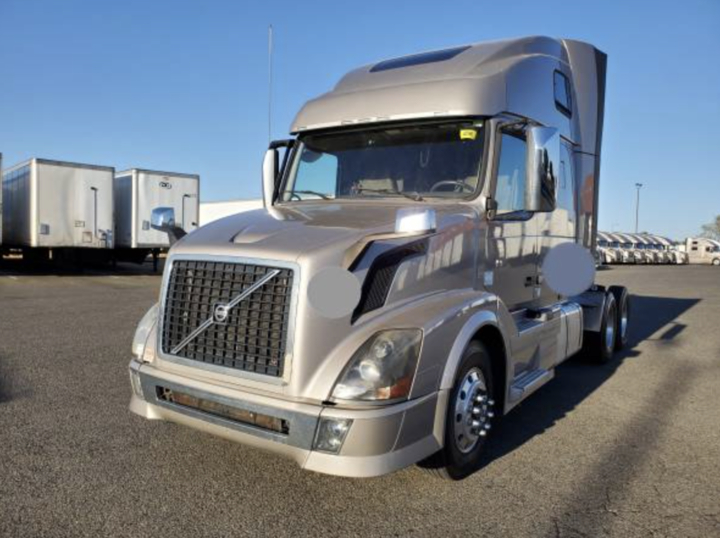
<point x="331" y="434"/>
<point x="135" y="384"/>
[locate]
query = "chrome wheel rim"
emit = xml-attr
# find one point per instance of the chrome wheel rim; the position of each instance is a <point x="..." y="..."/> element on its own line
<point x="624" y="320"/>
<point x="473" y="413"/>
<point x="610" y="330"/>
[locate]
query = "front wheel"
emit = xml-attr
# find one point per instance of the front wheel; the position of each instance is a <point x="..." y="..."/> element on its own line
<point x="716" y="261"/>
<point x="468" y="419"/>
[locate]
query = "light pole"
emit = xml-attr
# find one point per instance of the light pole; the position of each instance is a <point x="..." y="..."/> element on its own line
<point x="638" y="186"/>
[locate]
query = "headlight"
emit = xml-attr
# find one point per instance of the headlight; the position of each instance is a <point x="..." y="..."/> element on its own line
<point x="142" y="332"/>
<point x="383" y="368"/>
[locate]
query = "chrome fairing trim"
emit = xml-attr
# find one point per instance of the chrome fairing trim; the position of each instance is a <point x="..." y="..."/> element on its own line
<point x="289" y="343"/>
<point x="301" y="426"/>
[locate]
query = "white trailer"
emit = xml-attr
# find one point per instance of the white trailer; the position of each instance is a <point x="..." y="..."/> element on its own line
<point x="138" y="192"/>
<point x="58" y="205"/>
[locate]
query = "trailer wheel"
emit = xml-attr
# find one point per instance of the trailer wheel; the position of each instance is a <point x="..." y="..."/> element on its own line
<point x="601" y="345"/>
<point x="468" y="418"/>
<point x="622" y="303"/>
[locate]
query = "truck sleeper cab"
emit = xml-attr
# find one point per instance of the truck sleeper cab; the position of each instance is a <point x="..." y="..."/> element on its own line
<point x="701" y="250"/>
<point x="389" y="303"/>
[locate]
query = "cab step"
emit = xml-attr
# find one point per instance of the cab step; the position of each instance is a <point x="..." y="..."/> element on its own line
<point x="528" y="382"/>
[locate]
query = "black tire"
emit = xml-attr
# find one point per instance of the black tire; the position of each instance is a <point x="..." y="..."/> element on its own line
<point x="622" y="327"/>
<point x="716" y="261"/>
<point x="596" y="344"/>
<point x="451" y="463"/>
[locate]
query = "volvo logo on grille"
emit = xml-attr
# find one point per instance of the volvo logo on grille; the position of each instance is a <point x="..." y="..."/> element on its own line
<point x="221" y="313"/>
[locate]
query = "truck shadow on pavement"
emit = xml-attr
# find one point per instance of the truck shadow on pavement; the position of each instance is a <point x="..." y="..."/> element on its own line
<point x="579" y="377"/>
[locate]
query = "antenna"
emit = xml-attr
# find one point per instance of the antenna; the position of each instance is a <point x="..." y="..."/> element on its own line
<point x="270" y="80"/>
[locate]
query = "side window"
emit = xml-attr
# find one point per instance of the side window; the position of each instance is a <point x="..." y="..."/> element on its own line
<point x="561" y="86"/>
<point x="510" y="188"/>
<point x="316" y="176"/>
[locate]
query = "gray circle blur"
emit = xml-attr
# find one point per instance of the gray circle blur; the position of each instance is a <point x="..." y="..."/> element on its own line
<point x="334" y="292"/>
<point x="569" y="269"/>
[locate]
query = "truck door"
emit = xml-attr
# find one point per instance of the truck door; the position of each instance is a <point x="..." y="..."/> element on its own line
<point x="512" y="241"/>
<point x="558" y="226"/>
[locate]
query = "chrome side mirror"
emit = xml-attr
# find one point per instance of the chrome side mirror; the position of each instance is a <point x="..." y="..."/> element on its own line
<point x="269" y="176"/>
<point x="272" y="170"/>
<point x="162" y="218"/>
<point x="543" y="168"/>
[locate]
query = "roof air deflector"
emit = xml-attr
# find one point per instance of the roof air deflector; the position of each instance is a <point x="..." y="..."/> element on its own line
<point x="419" y="59"/>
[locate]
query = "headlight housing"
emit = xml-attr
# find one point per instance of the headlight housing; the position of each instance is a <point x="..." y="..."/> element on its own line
<point x="382" y="369"/>
<point x="144" y="328"/>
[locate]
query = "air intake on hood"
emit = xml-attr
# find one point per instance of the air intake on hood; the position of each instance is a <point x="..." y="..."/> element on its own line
<point x="381" y="274"/>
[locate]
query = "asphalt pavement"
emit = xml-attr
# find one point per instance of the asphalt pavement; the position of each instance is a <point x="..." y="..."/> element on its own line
<point x="627" y="449"/>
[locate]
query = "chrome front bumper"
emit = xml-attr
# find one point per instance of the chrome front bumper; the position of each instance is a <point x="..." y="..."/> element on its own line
<point x="380" y="440"/>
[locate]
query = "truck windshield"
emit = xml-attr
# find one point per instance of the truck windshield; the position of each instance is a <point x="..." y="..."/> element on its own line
<point x="431" y="160"/>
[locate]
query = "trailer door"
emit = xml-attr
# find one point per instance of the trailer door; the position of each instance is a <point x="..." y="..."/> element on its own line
<point x="74" y="206"/>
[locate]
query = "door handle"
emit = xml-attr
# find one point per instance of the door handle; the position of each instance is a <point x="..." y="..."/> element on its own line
<point x="529" y="281"/>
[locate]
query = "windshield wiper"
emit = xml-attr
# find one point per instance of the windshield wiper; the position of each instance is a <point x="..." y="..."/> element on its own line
<point x="321" y="195"/>
<point x="415" y="196"/>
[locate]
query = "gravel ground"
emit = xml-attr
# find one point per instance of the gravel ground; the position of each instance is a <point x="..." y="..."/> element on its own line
<point x="627" y="449"/>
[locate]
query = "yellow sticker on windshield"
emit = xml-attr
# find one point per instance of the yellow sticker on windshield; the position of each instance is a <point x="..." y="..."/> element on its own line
<point x="468" y="134"/>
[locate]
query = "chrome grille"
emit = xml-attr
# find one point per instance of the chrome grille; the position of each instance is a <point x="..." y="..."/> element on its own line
<point x="253" y="336"/>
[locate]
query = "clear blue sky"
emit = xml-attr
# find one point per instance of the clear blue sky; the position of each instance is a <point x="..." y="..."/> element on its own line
<point x="181" y="85"/>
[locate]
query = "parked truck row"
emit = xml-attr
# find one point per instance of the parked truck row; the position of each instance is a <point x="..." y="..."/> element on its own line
<point x="628" y="248"/>
<point x="56" y="209"/>
<point x="644" y="248"/>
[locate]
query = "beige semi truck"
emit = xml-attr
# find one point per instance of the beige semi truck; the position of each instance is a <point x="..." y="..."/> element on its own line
<point x="701" y="250"/>
<point x="391" y="301"/>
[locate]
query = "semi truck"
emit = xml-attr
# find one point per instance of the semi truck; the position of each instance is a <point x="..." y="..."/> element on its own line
<point x="57" y="207"/>
<point x="702" y="250"/>
<point x="137" y="193"/>
<point x="608" y="253"/>
<point x="390" y="302"/>
<point x="610" y="245"/>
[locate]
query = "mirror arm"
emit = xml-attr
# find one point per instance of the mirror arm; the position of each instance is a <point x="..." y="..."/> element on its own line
<point x="287" y="143"/>
<point x="175" y="234"/>
<point x="491" y="207"/>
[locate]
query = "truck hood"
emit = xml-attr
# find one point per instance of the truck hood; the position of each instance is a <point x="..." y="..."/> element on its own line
<point x="312" y="237"/>
<point x="289" y="232"/>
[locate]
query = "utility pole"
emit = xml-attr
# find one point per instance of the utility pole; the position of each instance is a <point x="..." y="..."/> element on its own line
<point x="638" y="186"/>
<point x="270" y="80"/>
